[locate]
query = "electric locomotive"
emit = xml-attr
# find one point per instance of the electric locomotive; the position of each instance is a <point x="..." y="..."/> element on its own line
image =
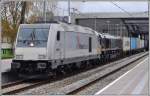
<point x="42" y="48"/>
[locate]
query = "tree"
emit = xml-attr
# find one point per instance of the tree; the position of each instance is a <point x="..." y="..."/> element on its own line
<point x="50" y="9"/>
<point x="24" y="7"/>
<point x="12" y="15"/>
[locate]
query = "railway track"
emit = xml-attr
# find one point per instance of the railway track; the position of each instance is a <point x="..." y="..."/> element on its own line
<point x="81" y="84"/>
<point x="92" y="87"/>
<point x="12" y="83"/>
<point x="22" y="85"/>
<point x="62" y="88"/>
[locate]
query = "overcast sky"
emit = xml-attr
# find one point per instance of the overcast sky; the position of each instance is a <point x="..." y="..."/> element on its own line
<point x="104" y="6"/>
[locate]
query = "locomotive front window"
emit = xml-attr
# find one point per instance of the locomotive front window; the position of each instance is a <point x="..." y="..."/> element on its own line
<point x="32" y="37"/>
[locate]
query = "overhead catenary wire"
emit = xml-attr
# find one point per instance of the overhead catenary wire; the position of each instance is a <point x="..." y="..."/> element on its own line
<point x="121" y="8"/>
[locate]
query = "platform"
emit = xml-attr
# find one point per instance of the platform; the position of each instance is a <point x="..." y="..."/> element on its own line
<point x="5" y="65"/>
<point x="134" y="82"/>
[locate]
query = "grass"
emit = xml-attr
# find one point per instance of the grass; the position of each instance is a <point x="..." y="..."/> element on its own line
<point x="8" y="54"/>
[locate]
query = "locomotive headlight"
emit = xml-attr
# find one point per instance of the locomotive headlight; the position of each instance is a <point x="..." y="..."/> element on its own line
<point x="41" y="65"/>
<point x="19" y="57"/>
<point x="31" y="44"/>
<point x="41" y="56"/>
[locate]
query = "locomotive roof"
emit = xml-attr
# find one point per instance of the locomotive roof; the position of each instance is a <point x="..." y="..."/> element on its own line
<point x="35" y="25"/>
<point x="67" y="27"/>
<point x="77" y="28"/>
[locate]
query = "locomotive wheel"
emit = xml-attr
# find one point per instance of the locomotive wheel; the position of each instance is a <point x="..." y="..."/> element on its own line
<point x="69" y="68"/>
<point x="89" y="64"/>
<point x="60" y="71"/>
<point x="54" y="72"/>
<point x="78" y="64"/>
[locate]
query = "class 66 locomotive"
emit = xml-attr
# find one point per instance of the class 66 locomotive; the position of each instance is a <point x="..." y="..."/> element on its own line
<point x="41" y="49"/>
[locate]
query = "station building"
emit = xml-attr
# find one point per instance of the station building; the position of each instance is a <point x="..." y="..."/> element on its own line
<point x="117" y="23"/>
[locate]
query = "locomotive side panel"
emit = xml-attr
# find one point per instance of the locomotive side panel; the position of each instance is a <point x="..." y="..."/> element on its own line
<point x="68" y="44"/>
<point x="79" y="44"/>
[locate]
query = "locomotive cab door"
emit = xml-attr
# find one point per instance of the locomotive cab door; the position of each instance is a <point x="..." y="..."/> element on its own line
<point x="58" y="47"/>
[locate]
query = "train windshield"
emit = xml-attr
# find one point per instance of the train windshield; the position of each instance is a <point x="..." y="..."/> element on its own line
<point x="32" y="37"/>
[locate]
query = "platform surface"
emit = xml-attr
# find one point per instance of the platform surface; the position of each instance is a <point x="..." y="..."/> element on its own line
<point x="5" y="65"/>
<point x="134" y="82"/>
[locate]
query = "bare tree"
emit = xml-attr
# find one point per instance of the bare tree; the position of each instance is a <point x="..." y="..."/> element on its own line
<point x="12" y="15"/>
<point x="50" y="8"/>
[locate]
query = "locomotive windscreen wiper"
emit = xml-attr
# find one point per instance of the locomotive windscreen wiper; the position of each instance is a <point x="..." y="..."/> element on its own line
<point x="33" y="35"/>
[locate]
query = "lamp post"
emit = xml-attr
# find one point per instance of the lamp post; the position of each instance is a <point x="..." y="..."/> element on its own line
<point x="95" y="25"/>
<point x="117" y="30"/>
<point x="108" y="25"/>
<point x="124" y="33"/>
<point x="69" y="13"/>
<point x="44" y="11"/>
<point x="121" y="30"/>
